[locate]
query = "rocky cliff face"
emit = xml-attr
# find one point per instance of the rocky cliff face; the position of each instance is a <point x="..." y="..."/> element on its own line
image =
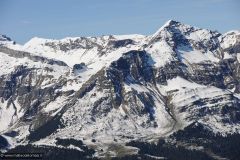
<point x="110" y="90"/>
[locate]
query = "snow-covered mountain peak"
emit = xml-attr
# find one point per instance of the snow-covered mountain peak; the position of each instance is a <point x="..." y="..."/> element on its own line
<point x="232" y="32"/>
<point x="177" y="29"/>
<point x="36" y="41"/>
<point x="171" y="25"/>
<point x="109" y="90"/>
<point x="230" y="42"/>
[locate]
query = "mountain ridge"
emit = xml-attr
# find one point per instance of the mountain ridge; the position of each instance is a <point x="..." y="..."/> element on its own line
<point x="108" y="91"/>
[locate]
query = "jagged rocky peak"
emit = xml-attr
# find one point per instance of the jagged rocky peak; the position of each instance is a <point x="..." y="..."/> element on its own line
<point x="174" y="28"/>
<point x="173" y="23"/>
<point x="170" y="25"/>
<point x="230" y="42"/>
<point x="5" y="40"/>
<point x="179" y="35"/>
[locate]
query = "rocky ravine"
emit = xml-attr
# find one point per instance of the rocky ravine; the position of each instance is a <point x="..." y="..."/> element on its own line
<point x="102" y="95"/>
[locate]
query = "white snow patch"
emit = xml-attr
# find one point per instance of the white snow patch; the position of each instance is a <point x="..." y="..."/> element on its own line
<point x="196" y="56"/>
<point x="54" y="105"/>
<point x="6" y="115"/>
<point x="161" y="53"/>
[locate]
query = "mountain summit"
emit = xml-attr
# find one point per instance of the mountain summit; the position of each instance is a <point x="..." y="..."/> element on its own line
<point x="113" y="95"/>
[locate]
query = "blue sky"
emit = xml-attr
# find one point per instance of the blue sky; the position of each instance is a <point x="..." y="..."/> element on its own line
<point x="24" y="19"/>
